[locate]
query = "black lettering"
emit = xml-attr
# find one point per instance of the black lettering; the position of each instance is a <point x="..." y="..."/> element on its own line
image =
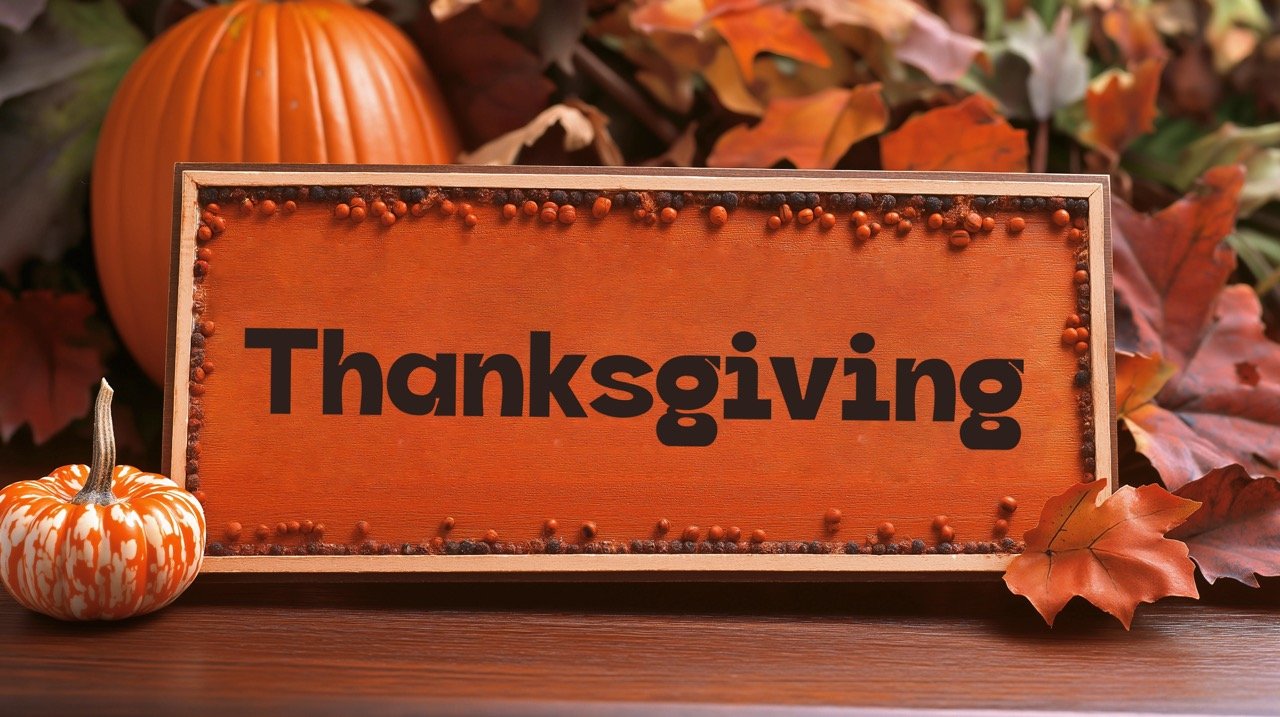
<point x="864" y="406"/>
<point x="475" y="368"/>
<point x="282" y="342"/>
<point x="681" y="425"/>
<point x="442" y="398"/>
<point x="944" y="388"/>
<point x="803" y="406"/>
<point x="1005" y="433"/>
<point x="545" y="382"/>
<point x="335" y="369"/>
<point x="747" y="404"/>
<point x="603" y="372"/>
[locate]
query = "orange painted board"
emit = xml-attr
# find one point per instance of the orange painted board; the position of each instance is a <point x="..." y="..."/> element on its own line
<point x="715" y="368"/>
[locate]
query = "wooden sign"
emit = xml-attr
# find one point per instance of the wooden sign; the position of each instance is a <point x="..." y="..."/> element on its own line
<point x="642" y="372"/>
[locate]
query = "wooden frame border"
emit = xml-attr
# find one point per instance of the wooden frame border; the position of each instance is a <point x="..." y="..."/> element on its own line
<point x="189" y="177"/>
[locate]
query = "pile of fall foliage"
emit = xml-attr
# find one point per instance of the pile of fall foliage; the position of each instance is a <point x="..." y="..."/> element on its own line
<point x="1173" y="98"/>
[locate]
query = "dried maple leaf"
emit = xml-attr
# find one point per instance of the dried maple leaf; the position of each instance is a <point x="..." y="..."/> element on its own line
<point x="1131" y="27"/>
<point x="1112" y="553"/>
<point x="1120" y="106"/>
<point x="584" y="126"/>
<point x="493" y="84"/>
<point x="767" y="28"/>
<point x="967" y="136"/>
<point x="1169" y="266"/>
<point x="891" y="19"/>
<point x="49" y="361"/>
<point x="813" y="132"/>
<point x="1223" y="408"/>
<point x="1236" y="532"/>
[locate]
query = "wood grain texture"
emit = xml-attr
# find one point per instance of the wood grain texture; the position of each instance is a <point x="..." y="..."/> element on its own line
<point x="373" y="649"/>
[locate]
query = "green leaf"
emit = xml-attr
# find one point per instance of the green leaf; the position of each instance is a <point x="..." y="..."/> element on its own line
<point x="55" y="86"/>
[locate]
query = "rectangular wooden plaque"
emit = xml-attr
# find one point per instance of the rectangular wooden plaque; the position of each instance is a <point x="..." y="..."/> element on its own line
<point x="483" y="372"/>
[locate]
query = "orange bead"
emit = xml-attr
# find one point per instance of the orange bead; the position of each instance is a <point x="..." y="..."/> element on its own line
<point x="204" y="253"/>
<point x="1073" y="320"/>
<point x="530" y="207"/>
<point x="1069" y="336"/>
<point x="550" y="526"/>
<point x="733" y="534"/>
<point x="342" y="211"/>
<point x="973" y="221"/>
<point x="662" y="526"/>
<point x="290" y="206"/>
<point x="1000" y="528"/>
<point x="862" y="233"/>
<point x="1061" y="217"/>
<point x="718" y="216"/>
<point x="218" y="225"/>
<point x="804" y="216"/>
<point x="233" y="531"/>
<point x="1082" y="334"/>
<point x="204" y="233"/>
<point x="419" y="209"/>
<point x="357" y="214"/>
<point x="668" y="215"/>
<point x="910" y="212"/>
<point x="885" y="531"/>
<point x="832" y="515"/>
<point x="448" y="208"/>
<point x="293" y="527"/>
<point x="758" y="536"/>
<point x="940" y="522"/>
<point x="550" y="205"/>
<point x="988" y="224"/>
<point x="465" y="208"/>
<point x="827" y="221"/>
<point x="785" y="213"/>
<point x="691" y="533"/>
<point x="639" y="213"/>
<point x="1075" y="235"/>
<point x="589" y="529"/>
<point x="212" y="208"/>
<point x="470" y="220"/>
<point x="491" y="536"/>
<point x="1081" y="276"/>
<point x="875" y="228"/>
<point x="262" y="532"/>
<point x="388" y="219"/>
<point x="892" y="218"/>
<point x="601" y="207"/>
<point x="1008" y="504"/>
<point x="548" y="215"/>
<point x="904" y="226"/>
<point x="400" y="208"/>
<point x="946" y="533"/>
<point x="509" y="211"/>
<point x="357" y="202"/>
<point x="935" y="221"/>
<point x="567" y="214"/>
<point x="715" y="534"/>
<point x="378" y="207"/>
<point x="775" y="222"/>
<point x="959" y="239"/>
<point x="1082" y="348"/>
<point x="246" y="206"/>
<point x="1017" y="224"/>
<point x="859" y="217"/>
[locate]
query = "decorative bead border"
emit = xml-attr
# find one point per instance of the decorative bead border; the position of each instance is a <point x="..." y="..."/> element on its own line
<point x="961" y="219"/>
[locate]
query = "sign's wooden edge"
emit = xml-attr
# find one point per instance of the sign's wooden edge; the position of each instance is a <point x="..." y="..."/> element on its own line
<point x="188" y="177"/>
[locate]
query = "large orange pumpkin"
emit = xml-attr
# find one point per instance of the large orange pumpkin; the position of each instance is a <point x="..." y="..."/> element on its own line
<point x="297" y="81"/>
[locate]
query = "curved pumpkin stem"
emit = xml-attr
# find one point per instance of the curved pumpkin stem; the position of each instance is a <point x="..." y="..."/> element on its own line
<point x="97" y="487"/>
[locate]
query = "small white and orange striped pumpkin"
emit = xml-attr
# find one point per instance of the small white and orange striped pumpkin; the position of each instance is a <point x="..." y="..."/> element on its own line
<point x="100" y="543"/>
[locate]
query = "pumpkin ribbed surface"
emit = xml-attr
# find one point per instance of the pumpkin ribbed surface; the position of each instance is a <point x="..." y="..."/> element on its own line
<point x="99" y="562"/>
<point x="303" y="81"/>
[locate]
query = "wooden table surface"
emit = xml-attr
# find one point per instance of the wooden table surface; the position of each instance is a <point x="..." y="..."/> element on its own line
<point x="401" y="648"/>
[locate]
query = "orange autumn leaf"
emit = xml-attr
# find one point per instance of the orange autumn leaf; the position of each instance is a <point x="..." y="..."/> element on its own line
<point x="748" y="27"/>
<point x="967" y="136"/>
<point x="1121" y="106"/>
<point x="1112" y="552"/>
<point x="767" y="28"/>
<point x="813" y="132"/>
<point x="1236" y="532"/>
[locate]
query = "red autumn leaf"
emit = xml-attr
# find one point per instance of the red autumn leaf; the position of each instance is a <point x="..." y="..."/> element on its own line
<point x="1121" y="106"/>
<point x="1222" y="409"/>
<point x="1169" y="266"/>
<point x="1236" y="532"/>
<point x="1112" y="553"/>
<point x="813" y="131"/>
<point x="968" y="136"/>
<point x="49" y="361"/>
<point x="493" y="84"/>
